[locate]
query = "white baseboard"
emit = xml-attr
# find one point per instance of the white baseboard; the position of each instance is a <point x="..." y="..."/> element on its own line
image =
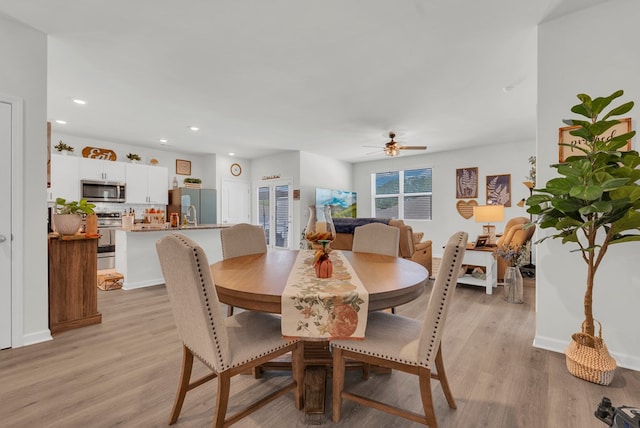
<point x="37" y="337"/>
<point x="623" y="360"/>
<point x="130" y="285"/>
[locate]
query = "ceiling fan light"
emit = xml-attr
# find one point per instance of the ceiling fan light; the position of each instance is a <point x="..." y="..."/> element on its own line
<point x="391" y="151"/>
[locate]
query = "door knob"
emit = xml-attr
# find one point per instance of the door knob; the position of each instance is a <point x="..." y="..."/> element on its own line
<point x="2" y="238"/>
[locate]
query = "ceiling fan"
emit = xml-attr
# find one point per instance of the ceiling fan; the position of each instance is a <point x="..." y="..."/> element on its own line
<point x="392" y="148"/>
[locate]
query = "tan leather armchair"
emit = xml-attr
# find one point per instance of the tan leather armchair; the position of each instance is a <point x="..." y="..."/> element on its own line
<point x="515" y="235"/>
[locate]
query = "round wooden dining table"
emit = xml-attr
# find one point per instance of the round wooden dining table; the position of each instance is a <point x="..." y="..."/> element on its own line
<point x="256" y="281"/>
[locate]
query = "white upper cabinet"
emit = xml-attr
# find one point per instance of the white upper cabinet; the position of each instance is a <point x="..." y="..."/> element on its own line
<point x="65" y="181"/>
<point x="147" y="184"/>
<point x="102" y="170"/>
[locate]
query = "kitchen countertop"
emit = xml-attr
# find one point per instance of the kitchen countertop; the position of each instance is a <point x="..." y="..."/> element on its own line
<point x="142" y="227"/>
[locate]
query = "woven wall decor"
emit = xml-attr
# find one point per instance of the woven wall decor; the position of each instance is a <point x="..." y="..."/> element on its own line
<point x="465" y="208"/>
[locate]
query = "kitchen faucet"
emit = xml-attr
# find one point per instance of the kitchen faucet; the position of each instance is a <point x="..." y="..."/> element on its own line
<point x="192" y="220"/>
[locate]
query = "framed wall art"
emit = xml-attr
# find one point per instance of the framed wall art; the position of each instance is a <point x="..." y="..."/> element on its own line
<point x="183" y="167"/>
<point x="565" y="137"/>
<point x="466" y="183"/>
<point x="499" y="190"/>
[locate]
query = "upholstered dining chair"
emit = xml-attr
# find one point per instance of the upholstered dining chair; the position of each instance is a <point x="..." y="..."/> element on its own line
<point x="241" y="240"/>
<point x="226" y="345"/>
<point x="377" y="238"/>
<point x="405" y="344"/>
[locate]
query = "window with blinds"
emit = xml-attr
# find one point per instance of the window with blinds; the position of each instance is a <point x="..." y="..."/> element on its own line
<point x="402" y="194"/>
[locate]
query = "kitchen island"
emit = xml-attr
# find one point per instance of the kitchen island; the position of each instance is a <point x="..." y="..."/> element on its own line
<point x="137" y="259"/>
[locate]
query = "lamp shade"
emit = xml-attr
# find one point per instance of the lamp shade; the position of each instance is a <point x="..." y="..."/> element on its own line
<point x="488" y="213"/>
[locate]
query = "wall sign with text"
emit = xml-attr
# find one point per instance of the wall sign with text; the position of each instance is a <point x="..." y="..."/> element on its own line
<point x="566" y="138"/>
<point x="99" y="153"/>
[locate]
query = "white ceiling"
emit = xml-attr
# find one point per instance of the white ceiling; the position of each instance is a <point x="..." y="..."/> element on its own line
<point x="260" y="77"/>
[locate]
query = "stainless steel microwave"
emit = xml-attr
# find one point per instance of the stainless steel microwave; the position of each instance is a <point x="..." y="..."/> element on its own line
<point x="102" y="191"/>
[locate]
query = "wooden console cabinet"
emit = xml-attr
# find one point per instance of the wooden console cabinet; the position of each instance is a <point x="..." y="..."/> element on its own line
<point x="73" y="276"/>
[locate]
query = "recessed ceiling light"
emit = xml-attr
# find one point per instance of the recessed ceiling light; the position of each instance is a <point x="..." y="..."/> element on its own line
<point x="78" y="101"/>
<point x="194" y="128"/>
<point x="61" y="122"/>
<point x="232" y="154"/>
<point x="163" y="140"/>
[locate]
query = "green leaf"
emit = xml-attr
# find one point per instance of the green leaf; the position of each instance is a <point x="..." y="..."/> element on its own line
<point x="601" y="127"/>
<point x="623" y="109"/>
<point x="600" y="103"/>
<point x="586" y="193"/>
<point x="630" y="221"/>
<point x="537" y="199"/>
<point x="614" y="183"/>
<point x="566" y="205"/>
<point x="559" y="186"/>
<point x="625" y="238"/>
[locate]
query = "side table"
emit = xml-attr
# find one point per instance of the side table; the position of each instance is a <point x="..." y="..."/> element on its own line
<point x="481" y="257"/>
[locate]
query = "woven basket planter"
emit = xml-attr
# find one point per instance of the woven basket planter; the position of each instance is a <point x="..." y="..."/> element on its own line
<point x="591" y="363"/>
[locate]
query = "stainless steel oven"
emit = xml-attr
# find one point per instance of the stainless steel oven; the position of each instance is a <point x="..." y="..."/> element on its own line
<point x="103" y="191"/>
<point x="108" y="223"/>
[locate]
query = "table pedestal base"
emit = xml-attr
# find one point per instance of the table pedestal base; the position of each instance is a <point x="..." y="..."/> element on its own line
<point x="317" y="364"/>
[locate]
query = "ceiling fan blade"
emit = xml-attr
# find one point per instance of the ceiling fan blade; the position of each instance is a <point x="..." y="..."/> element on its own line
<point x="412" y="147"/>
<point x="374" y="152"/>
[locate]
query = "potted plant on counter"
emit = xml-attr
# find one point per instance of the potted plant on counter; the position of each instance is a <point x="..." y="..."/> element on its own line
<point x="193" y="183"/>
<point x="63" y="148"/>
<point x="594" y="203"/>
<point x="134" y="158"/>
<point x="68" y="215"/>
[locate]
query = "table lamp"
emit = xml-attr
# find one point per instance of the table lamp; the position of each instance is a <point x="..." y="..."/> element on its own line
<point x="488" y="214"/>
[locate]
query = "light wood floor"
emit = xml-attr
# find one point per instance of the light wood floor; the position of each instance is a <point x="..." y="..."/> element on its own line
<point x="124" y="371"/>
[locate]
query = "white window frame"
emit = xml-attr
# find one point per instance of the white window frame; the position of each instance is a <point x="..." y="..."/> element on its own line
<point x="401" y="193"/>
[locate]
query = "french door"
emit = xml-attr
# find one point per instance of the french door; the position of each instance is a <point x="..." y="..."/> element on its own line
<point x="274" y="212"/>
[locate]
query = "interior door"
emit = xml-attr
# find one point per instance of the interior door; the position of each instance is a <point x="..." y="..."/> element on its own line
<point x="236" y="202"/>
<point x="274" y="213"/>
<point x="5" y="226"/>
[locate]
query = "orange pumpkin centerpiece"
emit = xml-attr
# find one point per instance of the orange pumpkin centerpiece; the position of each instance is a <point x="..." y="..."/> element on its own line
<point x="324" y="267"/>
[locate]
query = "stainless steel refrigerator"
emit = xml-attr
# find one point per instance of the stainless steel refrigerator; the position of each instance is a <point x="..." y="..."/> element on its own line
<point x="204" y="201"/>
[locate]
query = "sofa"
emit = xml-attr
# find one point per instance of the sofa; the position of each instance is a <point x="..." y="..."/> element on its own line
<point x="411" y="245"/>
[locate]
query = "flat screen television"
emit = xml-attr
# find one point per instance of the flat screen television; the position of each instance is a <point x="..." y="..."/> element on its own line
<point x="343" y="203"/>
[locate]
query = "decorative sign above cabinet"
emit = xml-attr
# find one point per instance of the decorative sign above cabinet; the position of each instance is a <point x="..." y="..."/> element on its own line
<point x="98" y="153"/>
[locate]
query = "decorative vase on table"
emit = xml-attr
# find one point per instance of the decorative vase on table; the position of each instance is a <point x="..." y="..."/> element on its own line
<point x="320" y="232"/>
<point x="513" y="292"/>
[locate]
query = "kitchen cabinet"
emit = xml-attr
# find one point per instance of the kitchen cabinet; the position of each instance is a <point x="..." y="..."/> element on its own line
<point x="102" y="170"/>
<point x="147" y="184"/>
<point x="65" y="181"/>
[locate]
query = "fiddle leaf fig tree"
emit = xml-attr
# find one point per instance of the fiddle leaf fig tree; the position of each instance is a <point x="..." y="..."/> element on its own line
<point x="595" y="202"/>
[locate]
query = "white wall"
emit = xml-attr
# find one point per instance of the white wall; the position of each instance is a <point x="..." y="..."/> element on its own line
<point x="593" y="52"/>
<point x="510" y="158"/>
<point x="203" y="166"/>
<point x="307" y="171"/>
<point x="24" y="75"/>
<point x="320" y="172"/>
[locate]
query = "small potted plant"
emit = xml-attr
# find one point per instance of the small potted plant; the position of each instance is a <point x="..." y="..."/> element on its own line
<point x="134" y="158"/>
<point x="63" y="148"/>
<point x="68" y="218"/>
<point x="194" y="183"/>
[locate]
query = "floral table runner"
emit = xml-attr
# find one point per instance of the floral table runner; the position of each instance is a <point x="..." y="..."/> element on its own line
<point x="330" y="308"/>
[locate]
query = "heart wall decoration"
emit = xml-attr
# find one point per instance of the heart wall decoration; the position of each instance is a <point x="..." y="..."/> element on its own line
<point x="465" y="208"/>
